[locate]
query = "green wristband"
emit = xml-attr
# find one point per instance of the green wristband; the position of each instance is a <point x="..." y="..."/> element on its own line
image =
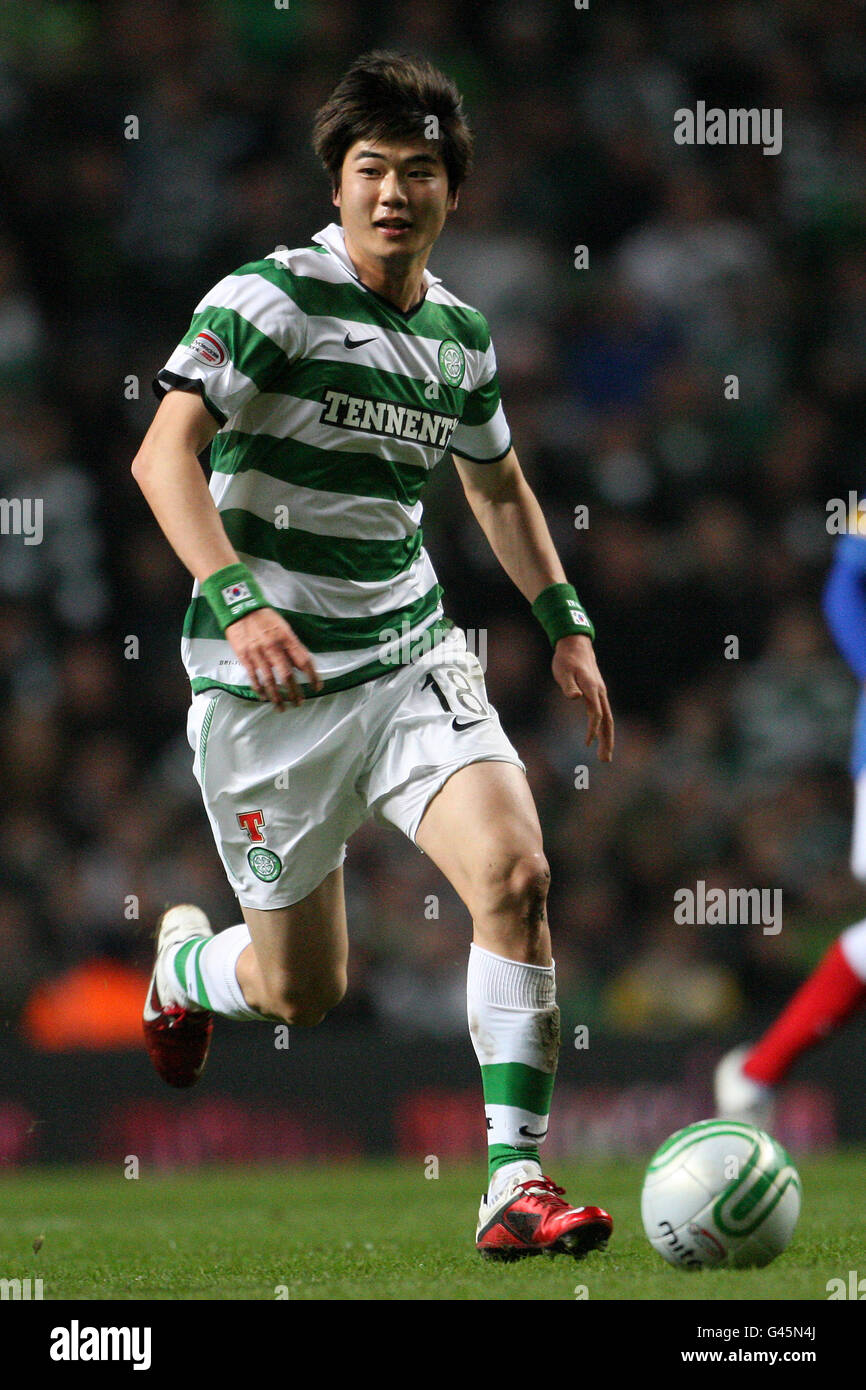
<point x="232" y="593"/>
<point x="562" y="614"/>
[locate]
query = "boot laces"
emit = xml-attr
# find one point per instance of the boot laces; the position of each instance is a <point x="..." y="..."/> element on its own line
<point x="546" y="1190"/>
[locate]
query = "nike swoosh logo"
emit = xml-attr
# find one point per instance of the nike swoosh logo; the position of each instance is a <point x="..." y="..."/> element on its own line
<point x="522" y="1224"/>
<point x="465" y="723"/>
<point x="152" y="1008"/>
<point x="356" y="342"/>
<point x="528" y="1134"/>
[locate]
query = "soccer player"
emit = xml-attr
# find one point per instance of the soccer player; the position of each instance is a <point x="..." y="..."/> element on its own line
<point x="747" y="1077"/>
<point x="327" y="683"/>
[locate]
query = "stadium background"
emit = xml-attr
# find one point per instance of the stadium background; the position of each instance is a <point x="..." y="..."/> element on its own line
<point x="707" y="520"/>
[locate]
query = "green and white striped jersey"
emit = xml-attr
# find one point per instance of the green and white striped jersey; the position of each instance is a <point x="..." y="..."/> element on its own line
<point x="334" y="407"/>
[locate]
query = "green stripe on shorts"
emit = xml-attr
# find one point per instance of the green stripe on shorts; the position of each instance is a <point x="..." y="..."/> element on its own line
<point x="205" y="730"/>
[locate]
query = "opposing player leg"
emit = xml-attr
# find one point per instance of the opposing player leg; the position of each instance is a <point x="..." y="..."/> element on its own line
<point x="482" y="830"/>
<point x="746" y="1078"/>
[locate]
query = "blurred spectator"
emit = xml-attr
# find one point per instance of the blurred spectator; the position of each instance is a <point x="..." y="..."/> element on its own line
<point x="670" y="988"/>
<point x="21" y="333"/>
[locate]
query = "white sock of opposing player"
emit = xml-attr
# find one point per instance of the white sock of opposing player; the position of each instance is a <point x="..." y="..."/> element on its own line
<point x="203" y="972"/>
<point x="853" y="945"/>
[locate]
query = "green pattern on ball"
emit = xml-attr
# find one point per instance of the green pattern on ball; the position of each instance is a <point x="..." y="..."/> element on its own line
<point x="750" y="1197"/>
<point x="690" y="1135"/>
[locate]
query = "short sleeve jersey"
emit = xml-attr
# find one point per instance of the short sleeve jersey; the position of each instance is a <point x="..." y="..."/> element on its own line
<point x="334" y="407"/>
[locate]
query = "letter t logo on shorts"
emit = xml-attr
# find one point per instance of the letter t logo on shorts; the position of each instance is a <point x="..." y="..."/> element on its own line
<point x="251" y="821"/>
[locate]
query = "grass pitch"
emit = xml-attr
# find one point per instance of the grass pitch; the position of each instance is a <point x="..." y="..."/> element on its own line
<point x="377" y="1232"/>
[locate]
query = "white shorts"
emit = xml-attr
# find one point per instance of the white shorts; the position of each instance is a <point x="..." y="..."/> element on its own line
<point x="284" y="789"/>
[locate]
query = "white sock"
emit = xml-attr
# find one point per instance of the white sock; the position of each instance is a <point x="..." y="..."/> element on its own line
<point x="853" y="946"/>
<point x="514" y="1025"/>
<point x="501" y="1179"/>
<point x="203" y="973"/>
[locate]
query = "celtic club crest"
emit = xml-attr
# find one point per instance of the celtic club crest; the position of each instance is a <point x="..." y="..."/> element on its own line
<point x="452" y="362"/>
<point x="264" y="864"/>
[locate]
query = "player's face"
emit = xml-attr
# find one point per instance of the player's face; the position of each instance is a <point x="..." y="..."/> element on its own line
<point x="393" y="198"/>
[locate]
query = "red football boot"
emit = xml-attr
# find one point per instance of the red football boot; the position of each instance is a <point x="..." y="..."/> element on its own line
<point x="177" y="1037"/>
<point x="531" y="1218"/>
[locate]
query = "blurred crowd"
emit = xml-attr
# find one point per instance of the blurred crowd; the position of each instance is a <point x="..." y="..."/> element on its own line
<point x="146" y="150"/>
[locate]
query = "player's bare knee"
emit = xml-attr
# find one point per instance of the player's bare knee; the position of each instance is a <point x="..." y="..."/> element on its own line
<point x="533" y="885"/>
<point x="305" y="1006"/>
<point x="303" y="1012"/>
<point x="302" y="1015"/>
<point x="518" y="884"/>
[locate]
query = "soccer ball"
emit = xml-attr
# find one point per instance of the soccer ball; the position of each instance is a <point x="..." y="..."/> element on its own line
<point x="720" y="1193"/>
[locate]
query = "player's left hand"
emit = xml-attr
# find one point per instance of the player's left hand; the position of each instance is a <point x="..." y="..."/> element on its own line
<point x="578" y="677"/>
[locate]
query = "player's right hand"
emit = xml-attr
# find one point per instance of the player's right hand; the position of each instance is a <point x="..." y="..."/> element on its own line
<point x="271" y="653"/>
